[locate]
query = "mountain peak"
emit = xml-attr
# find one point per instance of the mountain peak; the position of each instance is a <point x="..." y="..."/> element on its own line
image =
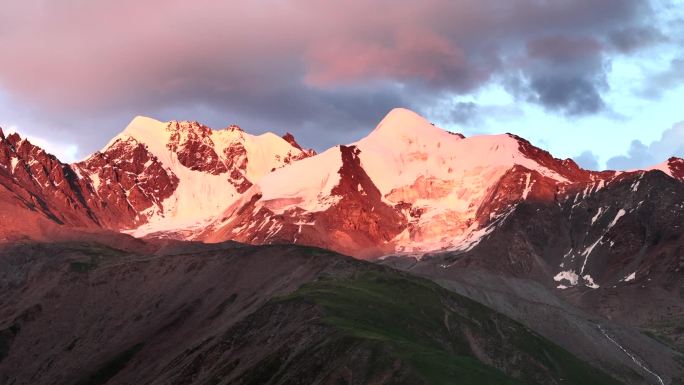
<point x="403" y="115"/>
<point x="142" y="120"/>
<point x="143" y="124"/>
<point x="142" y="129"/>
<point x="402" y="121"/>
<point x="234" y="127"/>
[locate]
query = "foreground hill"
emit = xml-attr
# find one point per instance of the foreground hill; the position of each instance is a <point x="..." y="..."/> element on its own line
<point x="86" y="313"/>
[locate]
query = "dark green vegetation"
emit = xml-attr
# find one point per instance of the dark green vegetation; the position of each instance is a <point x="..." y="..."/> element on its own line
<point x="79" y="313"/>
<point x="445" y="338"/>
<point x="88" y="256"/>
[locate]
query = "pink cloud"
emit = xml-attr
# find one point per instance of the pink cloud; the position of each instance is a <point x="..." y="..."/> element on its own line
<point x="78" y="54"/>
<point x="409" y="53"/>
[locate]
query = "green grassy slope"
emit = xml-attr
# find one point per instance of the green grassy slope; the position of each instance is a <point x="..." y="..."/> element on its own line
<point x="445" y="338"/>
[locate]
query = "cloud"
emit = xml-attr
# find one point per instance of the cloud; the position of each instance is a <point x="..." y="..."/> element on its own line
<point x="660" y="82"/>
<point x="563" y="74"/>
<point x="471" y="118"/>
<point x="630" y="39"/>
<point x="299" y="64"/>
<point x="640" y="155"/>
<point x="573" y="95"/>
<point x="587" y="160"/>
<point x="464" y="113"/>
<point x="66" y="152"/>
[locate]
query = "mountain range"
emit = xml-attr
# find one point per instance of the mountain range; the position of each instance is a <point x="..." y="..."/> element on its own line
<point x="499" y="249"/>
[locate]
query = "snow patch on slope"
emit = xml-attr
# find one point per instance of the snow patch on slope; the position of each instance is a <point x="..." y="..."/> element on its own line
<point x="14" y="161"/>
<point x="568" y="278"/>
<point x="306" y="184"/>
<point x="630" y="277"/>
<point x="619" y="215"/>
<point x="567" y="275"/>
<point x="598" y="214"/>
<point x="528" y="186"/>
<point x="589" y="282"/>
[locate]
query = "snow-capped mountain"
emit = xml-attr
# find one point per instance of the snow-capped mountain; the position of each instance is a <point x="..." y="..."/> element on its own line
<point x="408" y="187"/>
<point x="152" y="176"/>
<point x="179" y="174"/>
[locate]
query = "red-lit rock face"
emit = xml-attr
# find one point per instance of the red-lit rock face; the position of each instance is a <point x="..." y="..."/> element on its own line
<point x="43" y="184"/>
<point x="236" y="161"/>
<point x="676" y="167"/>
<point x="192" y="144"/>
<point x="363" y="223"/>
<point x="106" y="190"/>
<point x="127" y="180"/>
<point x="291" y="139"/>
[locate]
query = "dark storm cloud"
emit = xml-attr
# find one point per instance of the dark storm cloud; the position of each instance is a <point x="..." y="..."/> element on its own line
<point x="304" y="65"/>
<point x="464" y="112"/>
<point x="574" y="95"/>
<point x="472" y="118"/>
<point x="630" y="39"/>
<point x="566" y="74"/>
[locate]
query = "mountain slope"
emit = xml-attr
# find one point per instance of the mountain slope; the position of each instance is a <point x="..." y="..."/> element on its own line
<point x="626" y="232"/>
<point x="37" y="187"/>
<point x="615" y="252"/>
<point x="611" y="345"/>
<point x="75" y="313"/>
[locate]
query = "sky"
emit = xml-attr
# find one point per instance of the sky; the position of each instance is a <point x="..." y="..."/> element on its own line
<point x="598" y="81"/>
